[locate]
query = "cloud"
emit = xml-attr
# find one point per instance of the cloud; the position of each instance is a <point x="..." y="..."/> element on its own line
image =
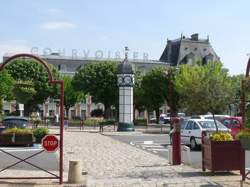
<point x="58" y="25"/>
<point x="10" y="47"/>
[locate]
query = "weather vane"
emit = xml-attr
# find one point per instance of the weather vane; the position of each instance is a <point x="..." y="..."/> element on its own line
<point x="126" y="53"/>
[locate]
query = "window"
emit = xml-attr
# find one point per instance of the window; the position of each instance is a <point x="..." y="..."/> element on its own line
<point x="226" y="122"/>
<point x="189" y="125"/>
<point x="195" y="126"/>
<point x="235" y="123"/>
<point x="183" y="124"/>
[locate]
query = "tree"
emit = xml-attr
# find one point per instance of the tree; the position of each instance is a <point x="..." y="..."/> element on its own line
<point x="155" y="89"/>
<point x="71" y="96"/>
<point x="28" y="70"/>
<point x="100" y="81"/>
<point x="204" y="88"/>
<point x="236" y="86"/>
<point x="139" y="104"/>
<point x="6" y="85"/>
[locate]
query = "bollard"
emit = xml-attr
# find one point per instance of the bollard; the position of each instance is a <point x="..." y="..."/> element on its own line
<point x="75" y="175"/>
<point x="170" y="150"/>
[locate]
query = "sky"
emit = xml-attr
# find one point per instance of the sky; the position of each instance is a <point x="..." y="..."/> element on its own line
<point x="110" y="25"/>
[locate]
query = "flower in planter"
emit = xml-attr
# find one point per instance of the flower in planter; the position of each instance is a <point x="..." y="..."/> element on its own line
<point x="221" y="136"/>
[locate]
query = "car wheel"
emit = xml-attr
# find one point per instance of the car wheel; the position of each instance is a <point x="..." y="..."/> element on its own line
<point x="193" y="144"/>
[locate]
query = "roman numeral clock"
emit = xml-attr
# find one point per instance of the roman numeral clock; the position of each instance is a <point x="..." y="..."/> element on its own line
<point x="125" y="80"/>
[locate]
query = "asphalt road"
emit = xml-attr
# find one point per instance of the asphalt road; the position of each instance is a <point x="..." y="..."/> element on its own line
<point x="157" y="144"/>
<point x="48" y="161"/>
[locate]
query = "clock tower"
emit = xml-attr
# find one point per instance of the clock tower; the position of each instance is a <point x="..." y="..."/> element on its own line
<point x="125" y="79"/>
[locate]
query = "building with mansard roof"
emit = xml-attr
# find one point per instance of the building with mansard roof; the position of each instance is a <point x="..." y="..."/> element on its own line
<point x="183" y="50"/>
<point x="187" y="50"/>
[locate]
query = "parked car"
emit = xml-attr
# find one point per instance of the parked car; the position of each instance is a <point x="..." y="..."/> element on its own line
<point x="209" y="116"/>
<point x="164" y="119"/>
<point x="15" y="121"/>
<point x="191" y="130"/>
<point x="233" y="123"/>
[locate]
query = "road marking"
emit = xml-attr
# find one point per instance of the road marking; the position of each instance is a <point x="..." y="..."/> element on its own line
<point x="148" y="142"/>
<point x="160" y="150"/>
<point x="160" y="146"/>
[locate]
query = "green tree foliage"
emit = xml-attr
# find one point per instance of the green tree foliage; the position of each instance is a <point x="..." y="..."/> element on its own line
<point x="138" y="92"/>
<point x="236" y="86"/>
<point x="6" y="86"/>
<point x="204" y="88"/>
<point x="155" y="89"/>
<point x="100" y="81"/>
<point x="71" y="96"/>
<point x="28" y="70"/>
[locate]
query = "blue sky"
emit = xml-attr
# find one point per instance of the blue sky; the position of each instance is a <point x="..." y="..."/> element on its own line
<point x="110" y="25"/>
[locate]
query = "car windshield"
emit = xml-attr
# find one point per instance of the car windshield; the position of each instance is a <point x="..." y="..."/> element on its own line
<point x="11" y="123"/>
<point x="211" y="125"/>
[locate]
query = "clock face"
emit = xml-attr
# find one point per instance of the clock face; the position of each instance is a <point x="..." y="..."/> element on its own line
<point x="127" y="80"/>
<point x="120" y="80"/>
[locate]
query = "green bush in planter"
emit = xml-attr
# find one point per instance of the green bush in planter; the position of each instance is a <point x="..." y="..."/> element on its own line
<point x="140" y="122"/>
<point x="92" y="121"/>
<point x="17" y="136"/>
<point x="107" y="122"/>
<point x="39" y="133"/>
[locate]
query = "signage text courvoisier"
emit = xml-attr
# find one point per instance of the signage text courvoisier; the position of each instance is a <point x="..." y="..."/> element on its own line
<point x="86" y="53"/>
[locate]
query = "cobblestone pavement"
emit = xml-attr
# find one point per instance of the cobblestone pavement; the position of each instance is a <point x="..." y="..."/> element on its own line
<point x="111" y="163"/>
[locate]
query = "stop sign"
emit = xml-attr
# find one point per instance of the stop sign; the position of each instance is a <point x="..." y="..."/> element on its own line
<point x="50" y="143"/>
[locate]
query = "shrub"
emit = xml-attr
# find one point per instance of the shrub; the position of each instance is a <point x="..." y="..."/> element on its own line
<point x="140" y="122"/>
<point x="17" y="136"/>
<point x="107" y="122"/>
<point x="243" y="134"/>
<point x="39" y="133"/>
<point x="92" y="121"/>
<point x="221" y="136"/>
<point x="17" y="131"/>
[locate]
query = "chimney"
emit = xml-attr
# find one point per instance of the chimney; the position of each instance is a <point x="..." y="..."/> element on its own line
<point x="195" y="37"/>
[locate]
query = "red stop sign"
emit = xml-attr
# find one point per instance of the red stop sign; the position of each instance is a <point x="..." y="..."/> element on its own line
<point x="50" y="143"/>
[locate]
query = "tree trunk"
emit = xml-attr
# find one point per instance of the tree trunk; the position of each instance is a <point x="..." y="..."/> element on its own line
<point x="67" y="112"/>
<point x="157" y="112"/>
<point x="107" y="111"/>
<point x="215" y="123"/>
<point x="27" y="109"/>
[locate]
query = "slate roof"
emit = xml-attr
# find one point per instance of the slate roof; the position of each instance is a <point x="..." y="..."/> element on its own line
<point x="181" y="50"/>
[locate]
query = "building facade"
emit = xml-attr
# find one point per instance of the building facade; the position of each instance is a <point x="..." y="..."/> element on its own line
<point x="179" y="51"/>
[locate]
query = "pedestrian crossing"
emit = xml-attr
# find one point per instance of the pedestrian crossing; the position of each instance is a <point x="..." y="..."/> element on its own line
<point x="151" y="146"/>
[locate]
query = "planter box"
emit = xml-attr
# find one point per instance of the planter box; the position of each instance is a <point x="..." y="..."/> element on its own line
<point x="222" y="155"/>
<point x="8" y="139"/>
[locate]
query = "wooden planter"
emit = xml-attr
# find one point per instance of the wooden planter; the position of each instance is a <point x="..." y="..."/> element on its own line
<point x="222" y="155"/>
<point x="10" y="139"/>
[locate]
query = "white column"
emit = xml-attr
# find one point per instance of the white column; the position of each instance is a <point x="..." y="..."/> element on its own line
<point x="126" y="104"/>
